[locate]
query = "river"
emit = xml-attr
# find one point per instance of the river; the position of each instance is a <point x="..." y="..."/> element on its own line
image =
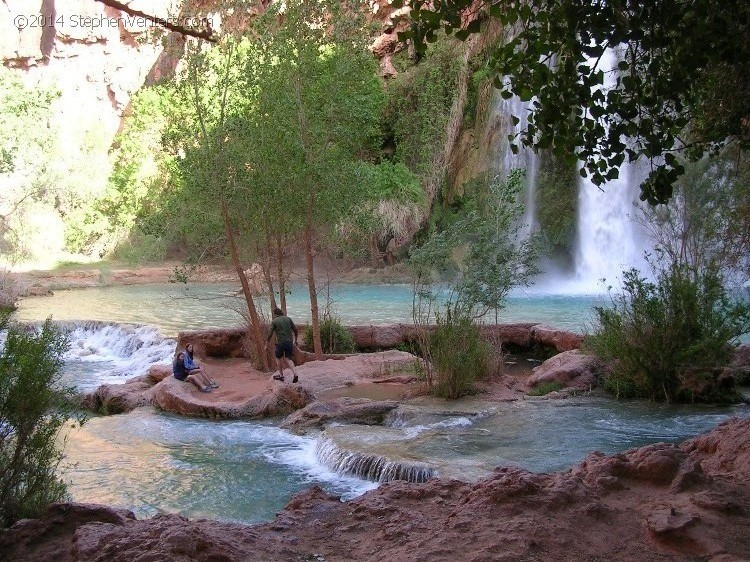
<point x="246" y="471"/>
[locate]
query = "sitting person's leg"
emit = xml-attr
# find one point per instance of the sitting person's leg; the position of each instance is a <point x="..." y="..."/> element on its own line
<point x="199" y="383"/>
<point x="201" y="378"/>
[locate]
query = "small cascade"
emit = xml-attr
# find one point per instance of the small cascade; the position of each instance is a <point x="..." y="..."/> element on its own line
<point x="524" y="159"/>
<point x="129" y="349"/>
<point x="370" y="466"/>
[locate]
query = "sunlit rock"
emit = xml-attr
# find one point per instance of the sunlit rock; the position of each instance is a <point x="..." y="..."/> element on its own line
<point x="571" y="369"/>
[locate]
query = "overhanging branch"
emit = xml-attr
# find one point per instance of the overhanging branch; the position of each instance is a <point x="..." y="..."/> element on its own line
<point x="206" y="34"/>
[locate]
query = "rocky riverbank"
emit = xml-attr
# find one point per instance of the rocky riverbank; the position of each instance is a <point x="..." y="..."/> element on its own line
<point x="660" y="502"/>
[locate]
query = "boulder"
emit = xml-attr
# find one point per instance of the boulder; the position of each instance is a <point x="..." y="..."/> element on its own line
<point x="341" y="410"/>
<point x="185" y="399"/>
<point x="571" y="369"/>
<point x="219" y="342"/>
<point x="118" y="398"/>
<point x="110" y="399"/>
<point x="386" y="336"/>
<point x="739" y="366"/>
<point x="518" y="334"/>
<point x="561" y="340"/>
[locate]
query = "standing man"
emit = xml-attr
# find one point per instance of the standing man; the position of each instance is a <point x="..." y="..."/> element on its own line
<point x="283" y="327"/>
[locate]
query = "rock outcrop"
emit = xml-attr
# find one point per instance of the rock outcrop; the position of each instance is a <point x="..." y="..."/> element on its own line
<point x="235" y="342"/>
<point x="181" y="398"/>
<point x="570" y="369"/>
<point x="245" y="392"/>
<point x="660" y="502"/>
<point x="342" y="410"/>
<point x="120" y="398"/>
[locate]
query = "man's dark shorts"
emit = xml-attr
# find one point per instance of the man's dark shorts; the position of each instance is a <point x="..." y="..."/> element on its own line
<point x="284" y="349"/>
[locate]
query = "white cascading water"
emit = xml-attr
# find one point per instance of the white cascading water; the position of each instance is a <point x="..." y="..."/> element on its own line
<point x="114" y="352"/>
<point x="524" y="159"/>
<point x="608" y="239"/>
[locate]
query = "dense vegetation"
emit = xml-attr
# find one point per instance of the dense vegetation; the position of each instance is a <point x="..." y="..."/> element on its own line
<point x="616" y="81"/>
<point x="494" y="256"/>
<point x="34" y="408"/>
<point x="668" y="340"/>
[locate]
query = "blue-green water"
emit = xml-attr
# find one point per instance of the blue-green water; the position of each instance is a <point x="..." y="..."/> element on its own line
<point x="246" y="471"/>
<point x="175" y="307"/>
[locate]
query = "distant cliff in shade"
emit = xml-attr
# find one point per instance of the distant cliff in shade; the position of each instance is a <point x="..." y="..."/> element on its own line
<point x="96" y="58"/>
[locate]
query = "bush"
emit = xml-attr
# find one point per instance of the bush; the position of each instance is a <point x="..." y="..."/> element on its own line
<point x="334" y="337"/>
<point x="656" y="336"/>
<point x="33" y="410"/>
<point x="456" y="353"/>
<point x="11" y="288"/>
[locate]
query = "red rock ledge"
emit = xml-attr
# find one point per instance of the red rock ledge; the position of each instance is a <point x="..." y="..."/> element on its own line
<point x="660" y="502"/>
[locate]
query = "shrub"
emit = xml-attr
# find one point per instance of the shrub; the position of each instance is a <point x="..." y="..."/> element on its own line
<point x="334" y="337"/>
<point x="456" y="353"/>
<point x="655" y="336"/>
<point x="11" y="288"/>
<point x="33" y="410"/>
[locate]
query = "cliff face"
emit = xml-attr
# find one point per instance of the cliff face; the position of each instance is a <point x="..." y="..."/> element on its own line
<point x="95" y="56"/>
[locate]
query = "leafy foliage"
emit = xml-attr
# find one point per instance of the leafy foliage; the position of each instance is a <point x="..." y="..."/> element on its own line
<point x="26" y="176"/>
<point x="456" y="353"/>
<point x="494" y="258"/>
<point x="334" y="336"/>
<point x="680" y="79"/>
<point x="473" y="263"/>
<point x="33" y="410"/>
<point x="419" y="104"/>
<point x="556" y="204"/>
<point x="707" y="224"/>
<point x="654" y="334"/>
<point x="545" y="388"/>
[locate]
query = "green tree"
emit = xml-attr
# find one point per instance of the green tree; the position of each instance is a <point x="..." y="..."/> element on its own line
<point x="493" y="256"/>
<point x="679" y="82"/>
<point x="33" y="410"/>
<point x="472" y="264"/>
<point x="706" y="226"/>
<point x="26" y="174"/>
<point x="331" y="114"/>
<point x="213" y="196"/>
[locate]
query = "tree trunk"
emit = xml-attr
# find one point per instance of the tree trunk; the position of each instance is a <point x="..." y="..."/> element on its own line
<point x="254" y="318"/>
<point x="280" y="273"/>
<point x="266" y="265"/>
<point x="315" y="323"/>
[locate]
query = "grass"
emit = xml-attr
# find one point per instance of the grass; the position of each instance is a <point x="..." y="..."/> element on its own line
<point x="545" y="388"/>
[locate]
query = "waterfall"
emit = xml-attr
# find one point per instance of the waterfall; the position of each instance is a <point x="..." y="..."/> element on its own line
<point x="370" y="466"/>
<point x="524" y="159"/>
<point x="608" y="239"/>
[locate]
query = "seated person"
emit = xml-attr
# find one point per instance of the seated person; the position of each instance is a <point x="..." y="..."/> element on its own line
<point x="182" y="374"/>
<point x="192" y="364"/>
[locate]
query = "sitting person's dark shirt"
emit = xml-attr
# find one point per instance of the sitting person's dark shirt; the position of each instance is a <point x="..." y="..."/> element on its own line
<point x="179" y="370"/>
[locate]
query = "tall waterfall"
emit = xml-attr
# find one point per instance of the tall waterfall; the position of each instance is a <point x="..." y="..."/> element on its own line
<point x="608" y="238"/>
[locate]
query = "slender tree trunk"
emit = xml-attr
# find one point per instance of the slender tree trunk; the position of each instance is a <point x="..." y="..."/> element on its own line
<point x="280" y="272"/>
<point x="310" y="258"/>
<point x="265" y="253"/>
<point x="254" y="318"/>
